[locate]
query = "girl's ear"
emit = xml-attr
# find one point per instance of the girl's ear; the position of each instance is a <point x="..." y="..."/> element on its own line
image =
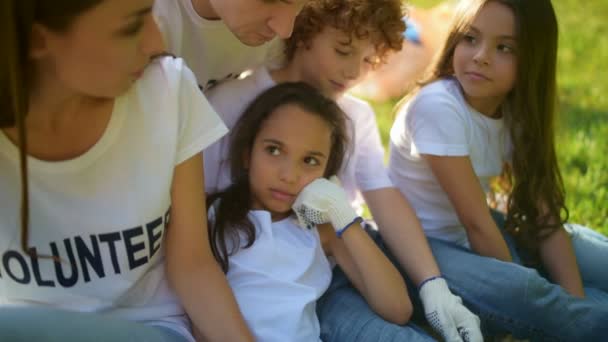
<point x="39" y="41"/>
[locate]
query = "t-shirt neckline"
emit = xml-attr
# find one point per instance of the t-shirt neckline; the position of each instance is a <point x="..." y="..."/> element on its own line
<point x="79" y="162"/>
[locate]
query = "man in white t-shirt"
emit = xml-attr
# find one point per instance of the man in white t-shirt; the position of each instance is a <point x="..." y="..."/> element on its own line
<point x="219" y="39"/>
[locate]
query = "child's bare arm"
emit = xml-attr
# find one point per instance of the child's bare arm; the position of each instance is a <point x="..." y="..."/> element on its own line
<point x="557" y="255"/>
<point x="192" y="271"/>
<point x="370" y="271"/>
<point x="457" y="178"/>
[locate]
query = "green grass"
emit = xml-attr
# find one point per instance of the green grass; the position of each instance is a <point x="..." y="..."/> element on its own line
<point x="582" y="136"/>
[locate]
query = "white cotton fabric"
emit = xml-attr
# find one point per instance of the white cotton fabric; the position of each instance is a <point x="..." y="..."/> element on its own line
<point x="438" y="121"/>
<point x="105" y="213"/>
<point x="278" y="280"/>
<point x="210" y="49"/>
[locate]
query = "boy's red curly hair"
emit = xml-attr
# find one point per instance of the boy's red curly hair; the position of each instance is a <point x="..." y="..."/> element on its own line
<point x="382" y="19"/>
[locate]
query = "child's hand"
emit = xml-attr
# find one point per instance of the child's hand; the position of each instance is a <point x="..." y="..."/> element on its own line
<point x="324" y="201"/>
<point x="446" y="314"/>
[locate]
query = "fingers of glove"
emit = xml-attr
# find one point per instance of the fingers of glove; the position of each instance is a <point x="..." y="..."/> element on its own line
<point x="318" y="193"/>
<point x="468" y="325"/>
<point x="444" y="325"/>
<point x="470" y="334"/>
<point x="303" y="221"/>
<point x="314" y="215"/>
<point x="334" y="179"/>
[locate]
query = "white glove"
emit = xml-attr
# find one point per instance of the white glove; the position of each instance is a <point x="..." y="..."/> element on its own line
<point x="446" y="314"/>
<point x="323" y="201"/>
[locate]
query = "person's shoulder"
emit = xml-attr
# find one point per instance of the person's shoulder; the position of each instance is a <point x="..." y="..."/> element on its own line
<point x="166" y="72"/>
<point x="438" y="94"/>
<point x="354" y="106"/>
<point x="240" y="91"/>
<point x="441" y="87"/>
<point x="353" y="101"/>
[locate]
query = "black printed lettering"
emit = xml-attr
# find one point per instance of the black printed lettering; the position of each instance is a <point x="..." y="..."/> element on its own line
<point x="110" y="238"/>
<point x="85" y="257"/>
<point x="6" y="261"/>
<point x="36" y="270"/>
<point x="61" y="279"/>
<point x="132" y="248"/>
<point x="154" y="238"/>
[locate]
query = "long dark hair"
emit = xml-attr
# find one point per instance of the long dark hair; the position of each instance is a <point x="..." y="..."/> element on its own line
<point x="230" y="221"/>
<point x="536" y="205"/>
<point x="17" y="18"/>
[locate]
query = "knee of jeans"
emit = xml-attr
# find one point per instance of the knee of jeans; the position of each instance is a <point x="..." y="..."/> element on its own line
<point x="535" y="285"/>
<point x="520" y="283"/>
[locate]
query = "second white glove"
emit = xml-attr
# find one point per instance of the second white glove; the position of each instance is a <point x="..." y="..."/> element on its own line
<point x="446" y="314"/>
<point x="323" y="201"/>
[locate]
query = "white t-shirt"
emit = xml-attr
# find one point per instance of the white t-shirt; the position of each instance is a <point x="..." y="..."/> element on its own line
<point x="363" y="169"/>
<point x="278" y="280"/>
<point x="438" y="121"/>
<point x="210" y="49"/>
<point x="105" y="213"/>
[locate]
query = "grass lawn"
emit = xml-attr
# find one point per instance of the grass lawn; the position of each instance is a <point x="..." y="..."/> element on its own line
<point x="582" y="137"/>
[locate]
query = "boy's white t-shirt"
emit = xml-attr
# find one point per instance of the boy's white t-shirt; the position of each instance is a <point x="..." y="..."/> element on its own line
<point x="278" y="280"/>
<point x="438" y="121"/>
<point x="105" y="213"/>
<point x="363" y="169"/>
<point x="210" y="49"/>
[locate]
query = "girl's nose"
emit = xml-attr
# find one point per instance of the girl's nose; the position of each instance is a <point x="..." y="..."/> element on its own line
<point x="481" y="56"/>
<point x="288" y="172"/>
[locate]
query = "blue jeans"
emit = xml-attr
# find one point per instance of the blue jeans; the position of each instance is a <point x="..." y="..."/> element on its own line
<point x="507" y="297"/>
<point x="52" y="325"/>
<point x="345" y="316"/>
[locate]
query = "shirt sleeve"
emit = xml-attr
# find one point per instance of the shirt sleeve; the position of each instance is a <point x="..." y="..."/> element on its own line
<point x="370" y="171"/>
<point x="199" y="124"/>
<point x="436" y="124"/>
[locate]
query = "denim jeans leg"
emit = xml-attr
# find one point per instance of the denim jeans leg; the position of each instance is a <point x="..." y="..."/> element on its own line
<point x="591" y="249"/>
<point x="511" y="298"/>
<point x="19" y="324"/>
<point x="345" y="316"/>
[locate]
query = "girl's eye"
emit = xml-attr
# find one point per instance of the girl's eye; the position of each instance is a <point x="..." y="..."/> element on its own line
<point x="132" y="29"/>
<point x="273" y="150"/>
<point x="505" y="48"/>
<point x="469" y="38"/>
<point x="311" y="161"/>
<point x="342" y="53"/>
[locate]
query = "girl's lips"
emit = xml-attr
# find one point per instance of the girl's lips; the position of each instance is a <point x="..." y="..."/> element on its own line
<point x="337" y="85"/>
<point x="281" y="195"/>
<point x="476" y="76"/>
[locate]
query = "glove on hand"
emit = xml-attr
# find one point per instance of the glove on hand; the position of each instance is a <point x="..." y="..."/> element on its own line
<point x="446" y="313"/>
<point x="323" y="201"/>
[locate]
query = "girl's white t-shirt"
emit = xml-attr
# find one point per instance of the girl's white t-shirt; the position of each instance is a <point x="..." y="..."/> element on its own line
<point x="363" y="168"/>
<point x="105" y="213"/>
<point x="438" y="121"/>
<point x="277" y="280"/>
